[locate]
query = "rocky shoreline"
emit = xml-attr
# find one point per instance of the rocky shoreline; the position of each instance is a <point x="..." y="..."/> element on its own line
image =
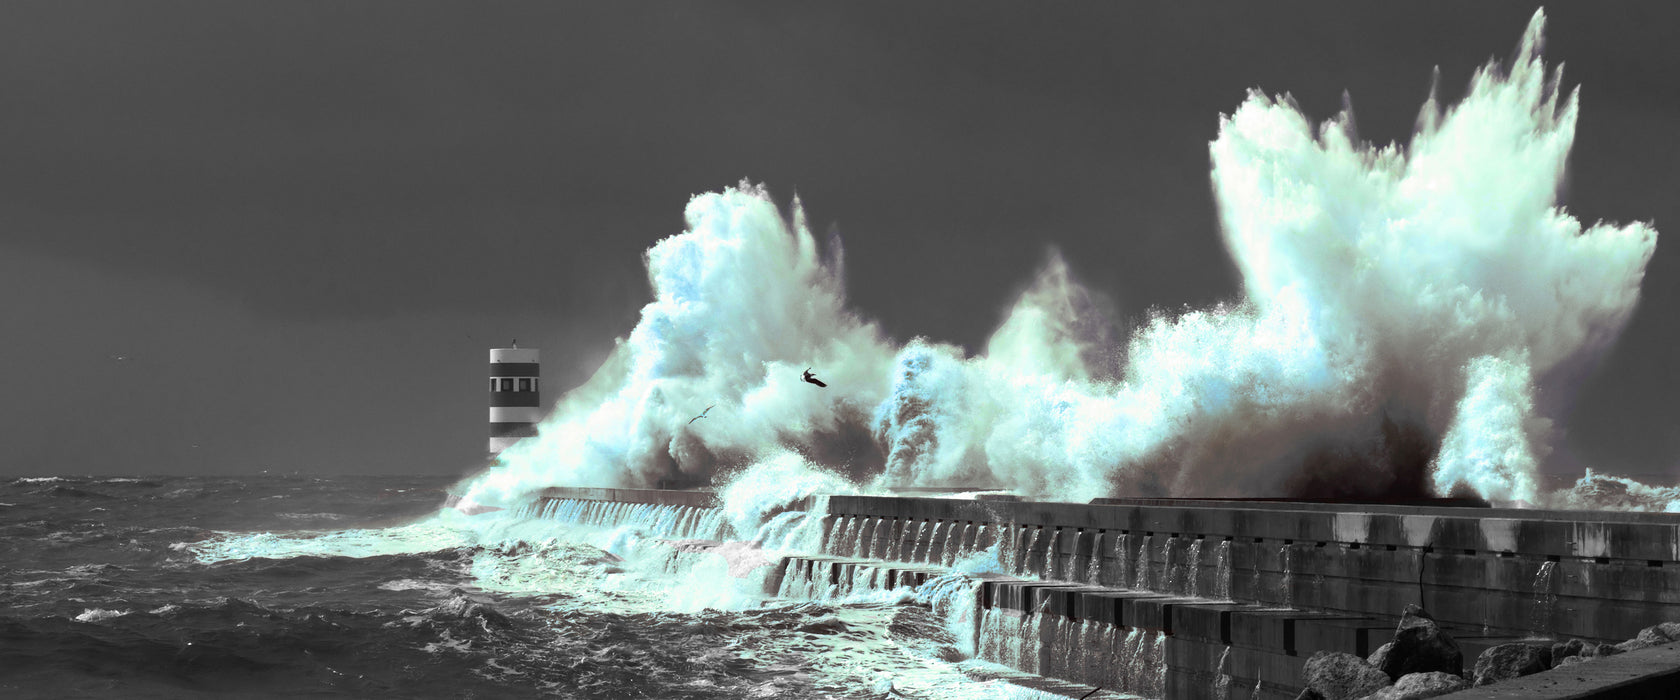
<point x="1423" y="661"/>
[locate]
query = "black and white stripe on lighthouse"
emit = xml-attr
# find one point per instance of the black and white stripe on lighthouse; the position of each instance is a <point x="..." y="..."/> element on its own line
<point x="515" y="403"/>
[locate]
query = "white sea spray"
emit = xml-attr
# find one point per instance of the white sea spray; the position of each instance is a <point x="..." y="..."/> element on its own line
<point x="1428" y="292"/>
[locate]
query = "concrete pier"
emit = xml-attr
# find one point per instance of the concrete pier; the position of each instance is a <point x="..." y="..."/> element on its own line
<point x="1235" y="596"/>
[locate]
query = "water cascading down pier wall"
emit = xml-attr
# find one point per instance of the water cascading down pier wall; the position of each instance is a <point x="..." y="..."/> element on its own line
<point x="1228" y="599"/>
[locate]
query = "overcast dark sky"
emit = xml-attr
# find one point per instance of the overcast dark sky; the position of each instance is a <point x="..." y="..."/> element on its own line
<point x="302" y="223"/>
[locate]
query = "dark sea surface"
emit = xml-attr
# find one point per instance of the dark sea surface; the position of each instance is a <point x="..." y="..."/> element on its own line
<point x="297" y="586"/>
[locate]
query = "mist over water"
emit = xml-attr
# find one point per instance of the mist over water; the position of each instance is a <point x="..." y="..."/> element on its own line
<point x="1405" y="306"/>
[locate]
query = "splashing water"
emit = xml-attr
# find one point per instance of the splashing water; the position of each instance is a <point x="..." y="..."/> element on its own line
<point x="1545" y="600"/>
<point x="1122" y="556"/>
<point x="837" y="535"/>
<point x="1171" y="574"/>
<point x="1286" y="583"/>
<point x="1127" y="666"/>
<point x="925" y="540"/>
<point x="1024" y="555"/>
<point x="1193" y="568"/>
<point x="1052" y="560"/>
<point x="1093" y="568"/>
<point x="1603" y="492"/>
<point x="1430" y="289"/>
<point x="1222" y="570"/>
<point x="860" y="549"/>
<point x="1222" y="682"/>
<point x="1143" y="566"/>
<point x="954" y="536"/>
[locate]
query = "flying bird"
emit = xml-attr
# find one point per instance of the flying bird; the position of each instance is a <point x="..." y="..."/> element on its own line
<point x="807" y="376"/>
<point x="702" y="414"/>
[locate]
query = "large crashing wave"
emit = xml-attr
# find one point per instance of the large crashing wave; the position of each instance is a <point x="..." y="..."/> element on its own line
<point x="1441" y="277"/>
<point x="1404" y="306"/>
<point x="743" y="300"/>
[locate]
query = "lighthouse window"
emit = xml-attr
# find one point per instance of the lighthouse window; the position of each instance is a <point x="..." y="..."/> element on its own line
<point x="507" y="384"/>
<point x="524" y="383"/>
<point x="492" y="383"/>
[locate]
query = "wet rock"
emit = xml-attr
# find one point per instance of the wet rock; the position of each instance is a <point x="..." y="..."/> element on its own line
<point x="1380" y="655"/>
<point x="1606" y="650"/>
<point x="1339" y="675"/>
<point x="1634" y="644"/>
<point x="605" y="558"/>
<point x="1651" y="636"/>
<point x="461" y="607"/>
<point x="1421" y="685"/>
<point x="1659" y="634"/>
<point x="1508" y="661"/>
<point x="827" y="624"/>
<point x="1421" y="646"/>
<point x="1573" y="647"/>
<point x="1572" y="660"/>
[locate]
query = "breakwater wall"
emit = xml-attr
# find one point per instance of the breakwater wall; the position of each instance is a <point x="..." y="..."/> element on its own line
<point x="661" y="497"/>
<point x="1227" y="599"/>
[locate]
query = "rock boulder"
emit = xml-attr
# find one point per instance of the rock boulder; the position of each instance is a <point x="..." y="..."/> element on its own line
<point x="1421" y="685"/>
<point x="1508" y="661"/>
<point x="1339" y="675"/>
<point x="1421" y="646"/>
<point x="1380" y="655"/>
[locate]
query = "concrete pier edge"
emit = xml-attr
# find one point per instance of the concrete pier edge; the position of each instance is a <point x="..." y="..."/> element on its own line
<point x="1301" y="578"/>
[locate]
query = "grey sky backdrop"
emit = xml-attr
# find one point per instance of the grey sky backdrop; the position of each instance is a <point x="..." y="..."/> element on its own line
<point x="302" y="223"/>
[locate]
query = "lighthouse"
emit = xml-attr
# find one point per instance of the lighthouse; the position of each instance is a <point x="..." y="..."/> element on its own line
<point x="515" y="403"/>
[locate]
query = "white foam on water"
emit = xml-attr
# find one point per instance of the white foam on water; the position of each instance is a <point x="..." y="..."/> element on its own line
<point x="99" y="614"/>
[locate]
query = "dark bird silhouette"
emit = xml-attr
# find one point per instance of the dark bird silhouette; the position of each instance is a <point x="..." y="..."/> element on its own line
<point x="807" y="376"/>
<point x="702" y="414"/>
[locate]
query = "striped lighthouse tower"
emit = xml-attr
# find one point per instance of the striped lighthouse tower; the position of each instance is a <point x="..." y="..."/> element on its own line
<point x="515" y="404"/>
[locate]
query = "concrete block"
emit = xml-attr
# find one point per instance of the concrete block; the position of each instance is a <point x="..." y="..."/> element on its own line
<point x="1123" y="613"/>
<point x="1272" y="629"/>
<point x="1064" y="600"/>
<point x="1190" y="684"/>
<point x="1354" y="595"/>
<point x="1193" y="654"/>
<point x="1268" y="667"/>
<point x="1154" y="613"/>
<point x="1609" y="620"/>
<point x="1112" y="573"/>
<point x="910" y="576"/>
<point x="1020" y="595"/>
<point x="776" y="572"/>
<point x="1619" y="579"/>
<point x="1192" y="668"/>
<point x="1354" y="635"/>
<point x="1207" y="622"/>
<point x="1101" y="606"/>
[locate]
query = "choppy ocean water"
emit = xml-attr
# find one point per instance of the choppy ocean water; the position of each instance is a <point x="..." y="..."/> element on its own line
<point x="362" y="587"/>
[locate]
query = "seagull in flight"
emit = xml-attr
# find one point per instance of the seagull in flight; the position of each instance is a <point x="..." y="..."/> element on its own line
<point x="807" y="376"/>
<point x="702" y="414"/>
